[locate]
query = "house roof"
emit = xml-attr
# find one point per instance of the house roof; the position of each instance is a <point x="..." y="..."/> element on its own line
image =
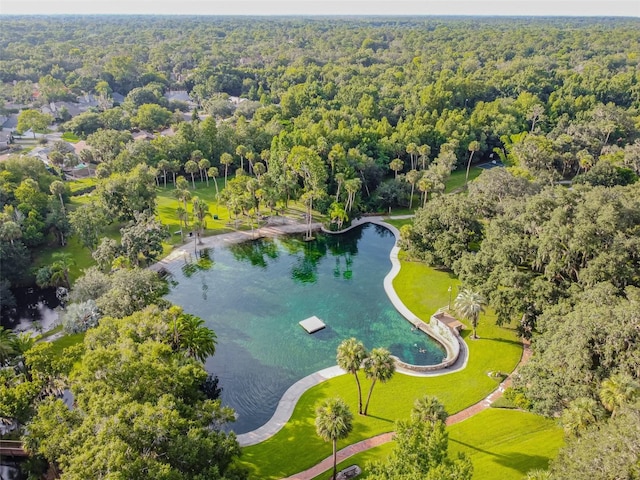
<point x="11" y="121"/>
<point x="180" y="95"/>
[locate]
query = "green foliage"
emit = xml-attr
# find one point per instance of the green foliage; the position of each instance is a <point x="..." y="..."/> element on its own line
<point x="138" y="410"/>
<point x="350" y="356"/>
<point x="608" y="450"/>
<point x="497" y="350"/>
<point x="33" y="120"/>
<point x="442" y="231"/>
<point x="333" y="422"/>
<point x="506" y="443"/>
<point x="143" y="238"/>
<point x="420" y="452"/>
<point x="568" y="366"/>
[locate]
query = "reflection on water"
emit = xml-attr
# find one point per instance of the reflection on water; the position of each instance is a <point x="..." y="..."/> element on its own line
<point x="35" y="310"/>
<point x="10" y="469"/>
<point x="257" y="293"/>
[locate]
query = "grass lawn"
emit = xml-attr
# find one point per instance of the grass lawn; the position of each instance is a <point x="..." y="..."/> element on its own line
<point x="81" y="255"/>
<point x="82" y="184"/>
<point x="457" y="178"/>
<point x="500" y="443"/>
<point x="506" y="444"/>
<point x="70" y="137"/>
<point x="297" y="447"/>
<point x="399" y="223"/>
<point x="67" y="341"/>
<point x="167" y="204"/>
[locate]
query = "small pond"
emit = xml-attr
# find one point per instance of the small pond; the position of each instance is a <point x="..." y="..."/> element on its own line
<point x="254" y="294"/>
<point x="34" y="310"/>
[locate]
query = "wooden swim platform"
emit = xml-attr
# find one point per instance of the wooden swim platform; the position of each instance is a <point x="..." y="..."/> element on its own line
<point x="312" y="324"/>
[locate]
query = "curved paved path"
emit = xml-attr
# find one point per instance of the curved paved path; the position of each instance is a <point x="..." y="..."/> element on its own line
<point x="383" y="438"/>
<point x="287" y="403"/>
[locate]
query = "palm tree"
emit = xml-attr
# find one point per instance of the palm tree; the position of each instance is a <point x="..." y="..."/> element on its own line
<point x="339" y="178"/>
<point x="213" y="173"/>
<point x="174" y="167"/>
<point x="470" y="304"/>
<point x="333" y="423"/>
<point x="7" y="338"/>
<point x="396" y="165"/>
<point x="351" y="354"/>
<point x="251" y="156"/>
<point x="191" y="167"/>
<point x="10" y="231"/>
<point x="226" y="159"/>
<point x="241" y="151"/>
<point x="412" y="177"/>
<point x="378" y="366"/>
<point x="183" y="217"/>
<point x="21" y="343"/>
<point x="57" y="188"/>
<point x="259" y="169"/>
<point x="196" y="340"/>
<point x="352" y="187"/>
<point x="581" y="413"/>
<point x="182" y="192"/>
<point x="204" y="165"/>
<point x="164" y="165"/>
<point x="474" y="146"/>
<point x="424" y="185"/>
<point x="60" y="269"/>
<point x="200" y="212"/>
<point x="424" y="151"/>
<point x="428" y="409"/>
<point x="412" y="150"/>
<point x="618" y="390"/>
<point x="338" y="214"/>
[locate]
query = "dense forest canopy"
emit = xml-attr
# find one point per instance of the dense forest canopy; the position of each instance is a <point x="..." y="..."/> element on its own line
<point x="355" y="115"/>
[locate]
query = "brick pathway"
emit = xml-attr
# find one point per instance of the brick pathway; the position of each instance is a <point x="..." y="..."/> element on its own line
<point x="372" y="442"/>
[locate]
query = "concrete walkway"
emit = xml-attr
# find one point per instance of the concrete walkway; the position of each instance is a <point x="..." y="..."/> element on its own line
<point x="383" y="438"/>
<point x="287" y="403"/>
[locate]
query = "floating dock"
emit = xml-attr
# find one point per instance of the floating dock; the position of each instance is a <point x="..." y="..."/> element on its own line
<point x="312" y="324"/>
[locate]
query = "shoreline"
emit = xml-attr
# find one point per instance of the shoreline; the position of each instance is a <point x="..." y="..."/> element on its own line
<point x="290" y="398"/>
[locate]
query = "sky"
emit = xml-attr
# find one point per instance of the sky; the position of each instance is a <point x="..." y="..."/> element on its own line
<point x="600" y="8"/>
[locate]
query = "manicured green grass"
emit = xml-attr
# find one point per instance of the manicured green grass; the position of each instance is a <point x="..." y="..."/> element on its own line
<point x="400" y="222"/>
<point x="506" y="444"/>
<point x="81" y="255"/>
<point x="503" y="444"/>
<point x="82" y="184"/>
<point x="49" y="333"/>
<point x="70" y="137"/>
<point x="67" y="341"/>
<point x="456" y="180"/>
<point x="167" y="204"/>
<point x="361" y="459"/>
<point x="297" y="447"/>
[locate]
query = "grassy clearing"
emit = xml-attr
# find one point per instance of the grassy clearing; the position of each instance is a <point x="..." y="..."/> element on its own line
<point x="167" y="204"/>
<point x="82" y="185"/>
<point x="70" y="137"/>
<point x="67" y="341"/>
<point x="399" y="223"/>
<point x="506" y="444"/>
<point x="297" y="447"/>
<point x="456" y="180"/>
<point x="503" y="444"/>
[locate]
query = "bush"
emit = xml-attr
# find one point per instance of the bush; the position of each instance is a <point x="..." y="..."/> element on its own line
<point x="79" y="317"/>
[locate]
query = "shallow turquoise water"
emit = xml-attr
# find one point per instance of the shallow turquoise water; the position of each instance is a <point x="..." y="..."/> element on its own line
<point x="255" y="293"/>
